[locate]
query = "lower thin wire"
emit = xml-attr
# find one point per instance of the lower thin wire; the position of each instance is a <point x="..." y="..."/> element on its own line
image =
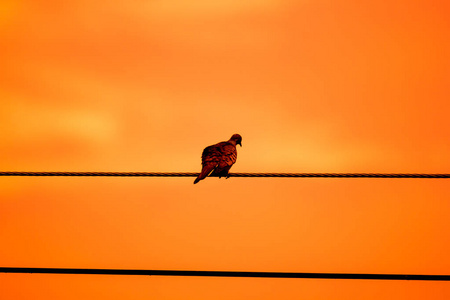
<point x="191" y="174"/>
<point x="226" y="274"/>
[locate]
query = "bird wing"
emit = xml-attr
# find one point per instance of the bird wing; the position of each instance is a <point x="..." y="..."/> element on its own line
<point x="219" y="156"/>
<point x="211" y="157"/>
<point x="229" y="156"/>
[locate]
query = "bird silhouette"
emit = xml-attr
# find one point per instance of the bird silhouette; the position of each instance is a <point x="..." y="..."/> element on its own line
<point x="217" y="159"/>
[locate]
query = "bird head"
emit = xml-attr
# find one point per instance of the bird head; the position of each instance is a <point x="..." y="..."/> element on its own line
<point x="237" y="139"/>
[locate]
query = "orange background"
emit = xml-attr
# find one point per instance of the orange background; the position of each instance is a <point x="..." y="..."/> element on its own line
<point x="312" y="86"/>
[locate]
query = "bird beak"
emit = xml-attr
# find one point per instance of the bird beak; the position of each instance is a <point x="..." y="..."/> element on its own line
<point x="240" y="144"/>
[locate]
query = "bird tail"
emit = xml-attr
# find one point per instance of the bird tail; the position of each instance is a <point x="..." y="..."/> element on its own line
<point x="205" y="172"/>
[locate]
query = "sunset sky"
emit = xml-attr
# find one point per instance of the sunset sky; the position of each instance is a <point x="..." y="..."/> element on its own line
<point x="311" y="85"/>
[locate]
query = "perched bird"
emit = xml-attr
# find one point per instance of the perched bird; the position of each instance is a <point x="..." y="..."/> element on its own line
<point x="217" y="159"/>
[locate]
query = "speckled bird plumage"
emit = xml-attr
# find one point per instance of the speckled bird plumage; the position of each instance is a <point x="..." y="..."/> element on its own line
<point x="219" y="158"/>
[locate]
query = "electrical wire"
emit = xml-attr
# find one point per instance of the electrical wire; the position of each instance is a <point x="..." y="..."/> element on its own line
<point x="191" y="174"/>
<point x="226" y="274"/>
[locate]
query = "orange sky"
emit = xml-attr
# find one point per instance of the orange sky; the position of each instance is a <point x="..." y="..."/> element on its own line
<point x="312" y="86"/>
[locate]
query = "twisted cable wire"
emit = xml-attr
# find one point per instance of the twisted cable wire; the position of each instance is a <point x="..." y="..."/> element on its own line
<point x="193" y="174"/>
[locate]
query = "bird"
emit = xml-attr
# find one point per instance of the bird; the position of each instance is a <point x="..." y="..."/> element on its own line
<point x="217" y="159"/>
